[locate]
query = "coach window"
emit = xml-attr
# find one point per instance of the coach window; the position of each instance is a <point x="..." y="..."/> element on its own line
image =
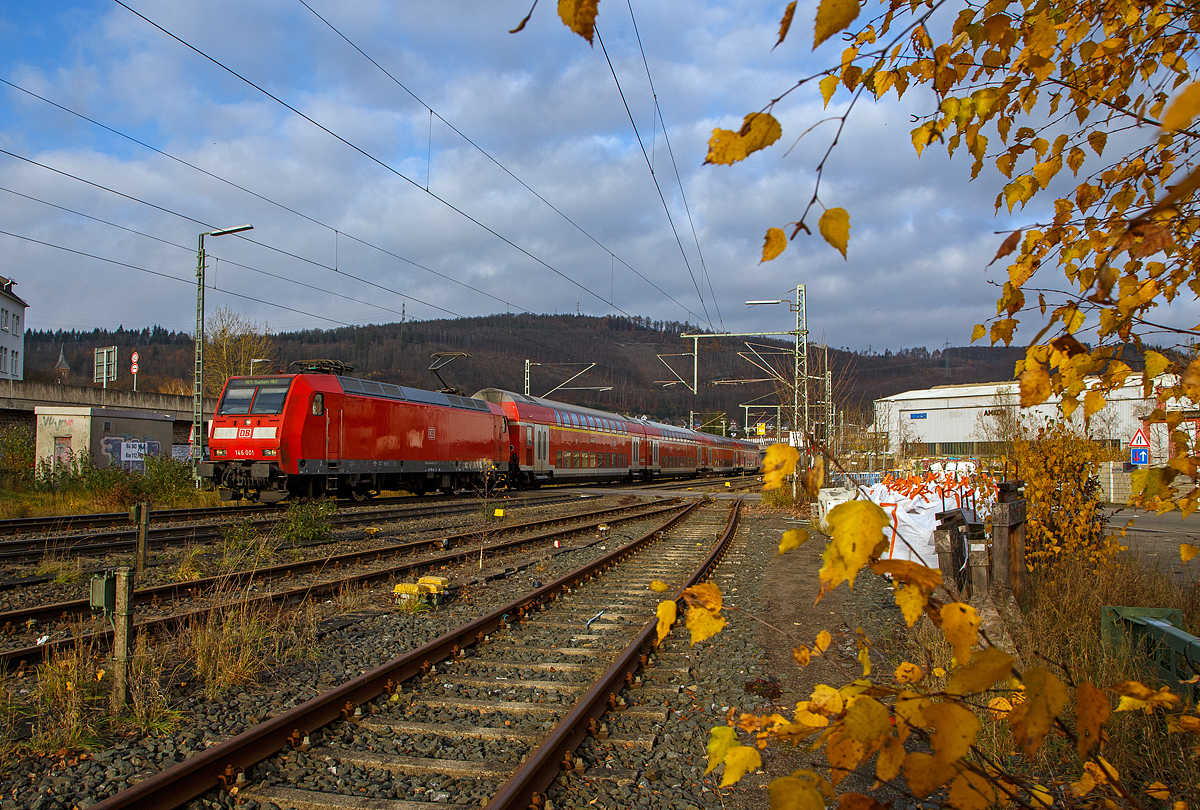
<point x="318" y="404"/>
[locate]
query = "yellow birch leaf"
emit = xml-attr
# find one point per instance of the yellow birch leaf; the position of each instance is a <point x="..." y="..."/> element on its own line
<point x="1157" y="790"/>
<point x="823" y="641"/>
<point x="986" y="668"/>
<point x="828" y="85"/>
<point x="1084" y="786"/>
<point x="1045" y="698"/>
<point x="833" y="16"/>
<point x="579" y="16"/>
<point x="720" y="740"/>
<point x="1035" y="386"/>
<point x="971" y="791"/>
<point x="1187" y="551"/>
<point x="779" y="462"/>
<point x="704" y="624"/>
<point x="1156" y="364"/>
<point x="891" y="757"/>
<point x="740" y="759"/>
<point x="786" y="23"/>
<point x="1183" y="108"/>
<point x="725" y="147"/>
<point x="826" y="700"/>
<point x="835" y="222"/>
<point x="666" y="617"/>
<point x="1092" y="710"/>
<point x="759" y="130"/>
<point x="911" y="600"/>
<point x="843" y="753"/>
<point x="960" y="626"/>
<point x="999" y="707"/>
<point x="954" y="730"/>
<point x="910" y="573"/>
<point x="856" y="529"/>
<point x="867" y="720"/>
<point x="774" y="244"/>
<point x="908" y="672"/>
<point x="790" y="793"/>
<point x="658" y="586"/>
<point x="792" y="540"/>
<point x="924" y="774"/>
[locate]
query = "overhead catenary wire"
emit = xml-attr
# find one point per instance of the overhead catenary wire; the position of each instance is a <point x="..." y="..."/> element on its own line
<point x="661" y="196"/>
<point x="367" y="155"/>
<point x="269" y="201"/>
<point x="433" y="113"/>
<point x="207" y="225"/>
<point x="189" y="249"/>
<point x="674" y="165"/>
<point x="187" y="281"/>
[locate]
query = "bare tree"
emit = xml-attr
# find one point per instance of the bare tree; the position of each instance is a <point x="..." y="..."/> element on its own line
<point x="231" y="341"/>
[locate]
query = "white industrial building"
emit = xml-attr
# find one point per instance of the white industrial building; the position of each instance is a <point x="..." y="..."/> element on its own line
<point x="967" y="420"/>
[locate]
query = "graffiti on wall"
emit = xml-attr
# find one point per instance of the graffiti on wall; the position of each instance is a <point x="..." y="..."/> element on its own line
<point x="129" y="451"/>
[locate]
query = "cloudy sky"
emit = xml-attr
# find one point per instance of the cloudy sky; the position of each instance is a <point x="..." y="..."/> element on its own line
<point x="417" y="157"/>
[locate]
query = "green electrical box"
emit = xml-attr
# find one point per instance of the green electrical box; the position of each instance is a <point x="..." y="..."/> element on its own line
<point x="104" y="592"/>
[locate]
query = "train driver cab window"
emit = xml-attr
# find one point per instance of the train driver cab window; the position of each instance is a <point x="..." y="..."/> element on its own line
<point x="318" y="407"/>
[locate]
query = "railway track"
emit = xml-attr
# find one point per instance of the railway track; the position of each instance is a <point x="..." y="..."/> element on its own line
<point x="324" y="580"/>
<point x="539" y="674"/>
<point x="66" y="611"/>
<point x="124" y="541"/>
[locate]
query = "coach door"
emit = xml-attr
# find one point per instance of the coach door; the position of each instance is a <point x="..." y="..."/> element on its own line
<point x="333" y="437"/>
<point x="541" y="447"/>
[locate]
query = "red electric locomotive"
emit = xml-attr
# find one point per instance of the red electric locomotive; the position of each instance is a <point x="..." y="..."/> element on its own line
<point x="321" y="432"/>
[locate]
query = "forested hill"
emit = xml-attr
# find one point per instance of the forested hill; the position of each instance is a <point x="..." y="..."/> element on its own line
<point x="625" y="350"/>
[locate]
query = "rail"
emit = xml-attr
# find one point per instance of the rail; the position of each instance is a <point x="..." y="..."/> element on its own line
<point x="221" y="764"/>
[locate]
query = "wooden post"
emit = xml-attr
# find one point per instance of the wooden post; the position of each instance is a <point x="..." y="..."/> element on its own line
<point x="1008" y="539"/>
<point x="141" y="515"/>
<point x="122" y="638"/>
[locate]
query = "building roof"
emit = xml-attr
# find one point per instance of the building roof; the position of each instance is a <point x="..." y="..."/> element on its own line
<point x="6" y="287"/>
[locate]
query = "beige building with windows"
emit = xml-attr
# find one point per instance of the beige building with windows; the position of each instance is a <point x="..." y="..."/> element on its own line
<point x="12" y="332"/>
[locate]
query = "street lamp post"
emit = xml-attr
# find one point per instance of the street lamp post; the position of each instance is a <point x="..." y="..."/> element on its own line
<point x="198" y="381"/>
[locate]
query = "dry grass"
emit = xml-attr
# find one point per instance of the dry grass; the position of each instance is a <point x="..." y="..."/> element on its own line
<point x="236" y="643"/>
<point x="65" y="570"/>
<point x="71" y="700"/>
<point x="1063" y="618"/>
<point x="149" y="709"/>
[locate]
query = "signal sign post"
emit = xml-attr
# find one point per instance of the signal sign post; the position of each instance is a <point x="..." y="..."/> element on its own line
<point x="1139" y="450"/>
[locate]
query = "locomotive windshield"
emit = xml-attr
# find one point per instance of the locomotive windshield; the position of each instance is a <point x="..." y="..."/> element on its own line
<point x="254" y="395"/>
